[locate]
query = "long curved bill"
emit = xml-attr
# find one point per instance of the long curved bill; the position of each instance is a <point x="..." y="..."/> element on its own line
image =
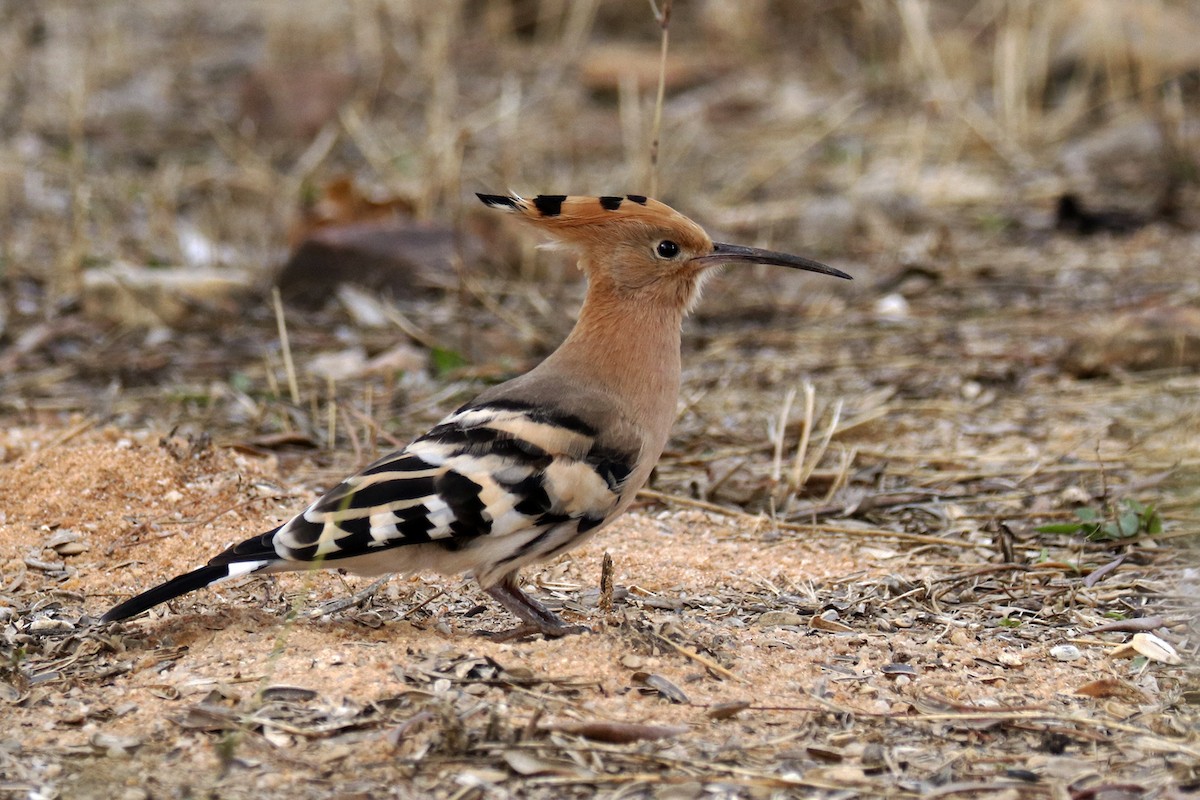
<point x="737" y="254"/>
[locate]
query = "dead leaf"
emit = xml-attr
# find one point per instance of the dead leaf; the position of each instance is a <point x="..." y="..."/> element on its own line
<point x="898" y="669"/>
<point x="1150" y="646"/>
<point x="1130" y="625"/>
<point x="288" y="694"/>
<point x="727" y="710"/>
<point x="1112" y="687"/>
<point x="113" y="744"/>
<point x="840" y="774"/>
<point x="819" y="623"/>
<point x="618" y="732"/>
<point x="210" y="718"/>
<point x="661" y="685"/>
<point x="525" y="763"/>
<point x="826" y="753"/>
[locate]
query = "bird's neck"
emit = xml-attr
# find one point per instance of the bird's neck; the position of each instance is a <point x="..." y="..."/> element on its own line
<point x="629" y="348"/>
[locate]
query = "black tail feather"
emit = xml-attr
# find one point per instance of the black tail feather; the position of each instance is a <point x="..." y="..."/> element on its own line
<point x="189" y="582"/>
<point x="253" y="549"/>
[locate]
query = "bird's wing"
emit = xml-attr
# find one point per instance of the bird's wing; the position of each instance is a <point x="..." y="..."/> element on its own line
<point x="499" y="473"/>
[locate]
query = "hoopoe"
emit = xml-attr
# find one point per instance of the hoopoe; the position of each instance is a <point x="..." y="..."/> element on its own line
<point x="537" y="465"/>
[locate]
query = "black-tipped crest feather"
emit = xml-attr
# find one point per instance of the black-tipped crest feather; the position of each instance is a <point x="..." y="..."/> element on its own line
<point x="498" y="200"/>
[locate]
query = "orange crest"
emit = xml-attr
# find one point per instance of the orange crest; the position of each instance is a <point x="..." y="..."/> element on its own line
<point x="585" y="219"/>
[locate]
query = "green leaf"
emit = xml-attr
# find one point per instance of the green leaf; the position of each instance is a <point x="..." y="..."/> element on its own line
<point x="445" y="360"/>
<point x="1087" y="514"/>
<point x="1151" y="522"/>
<point x="1128" y="524"/>
<point x="1060" y="527"/>
<point x="1009" y="622"/>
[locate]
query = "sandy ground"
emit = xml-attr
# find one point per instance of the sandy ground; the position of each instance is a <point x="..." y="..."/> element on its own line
<point x="239" y="691"/>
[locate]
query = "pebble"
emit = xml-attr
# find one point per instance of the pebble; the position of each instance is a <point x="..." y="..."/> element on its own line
<point x="42" y="624"/>
<point x="892" y="308"/>
<point x="1065" y="652"/>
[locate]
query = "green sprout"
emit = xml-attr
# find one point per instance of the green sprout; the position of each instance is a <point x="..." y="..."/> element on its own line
<point x="1122" y="520"/>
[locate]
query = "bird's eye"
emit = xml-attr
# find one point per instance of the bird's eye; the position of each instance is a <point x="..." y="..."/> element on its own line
<point x="667" y="249"/>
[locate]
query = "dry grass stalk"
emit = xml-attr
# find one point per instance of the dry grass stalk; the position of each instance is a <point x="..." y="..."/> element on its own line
<point x="663" y="15"/>
<point x="804" y="464"/>
<point x="285" y="347"/>
<point x="68" y="274"/>
<point x="331" y="412"/>
<point x="778" y="439"/>
<point x="802" y="467"/>
<point x="706" y="662"/>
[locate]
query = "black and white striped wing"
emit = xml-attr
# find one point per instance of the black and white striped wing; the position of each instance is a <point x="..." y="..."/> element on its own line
<point x="491" y="487"/>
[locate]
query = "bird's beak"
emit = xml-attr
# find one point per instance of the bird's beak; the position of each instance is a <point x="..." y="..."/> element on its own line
<point x="737" y="254"/>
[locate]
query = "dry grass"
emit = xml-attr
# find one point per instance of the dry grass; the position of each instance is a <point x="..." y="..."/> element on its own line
<point x="836" y="585"/>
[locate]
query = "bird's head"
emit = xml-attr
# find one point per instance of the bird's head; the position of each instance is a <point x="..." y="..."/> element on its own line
<point x="636" y="245"/>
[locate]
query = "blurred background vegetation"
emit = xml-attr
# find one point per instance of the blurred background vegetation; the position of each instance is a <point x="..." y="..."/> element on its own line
<point x="161" y="162"/>
<point x="169" y="133"/>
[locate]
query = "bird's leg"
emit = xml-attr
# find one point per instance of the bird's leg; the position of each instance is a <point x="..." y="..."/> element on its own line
<point x="535" y="616"/>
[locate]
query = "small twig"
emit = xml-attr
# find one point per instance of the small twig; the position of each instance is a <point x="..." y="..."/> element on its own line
<point x="409" y="329"/>
<point x="707" y="663"/>
<point x="519" y="322"/>
<point x="423" y="603"/>
<point x="342" y="603"/>
<point x="663" y="16"/>
<point x="124" y="542"/>
<point x="606" y="583"/>
<point x="67" y="435"/>
<point x="1095" y="575"/>
<point x="355" y="444"/>
<point x="842" y="476"/>
<point x="331" y="414"/>
<point x="376" y="431"/>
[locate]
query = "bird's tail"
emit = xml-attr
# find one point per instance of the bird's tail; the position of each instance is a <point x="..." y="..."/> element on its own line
<point x="189" y="582"/>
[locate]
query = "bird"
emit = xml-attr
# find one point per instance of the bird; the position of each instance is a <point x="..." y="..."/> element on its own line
<point x="536" y="465"/>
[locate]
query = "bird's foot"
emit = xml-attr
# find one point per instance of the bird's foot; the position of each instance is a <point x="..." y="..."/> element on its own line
<point x="535" y="617"/>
